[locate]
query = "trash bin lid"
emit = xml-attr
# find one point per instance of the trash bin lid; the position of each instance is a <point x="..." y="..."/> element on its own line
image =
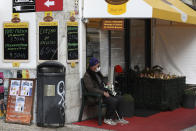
<point x="50" y="67"/>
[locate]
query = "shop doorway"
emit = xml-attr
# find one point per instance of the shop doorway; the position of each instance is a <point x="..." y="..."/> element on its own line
<point x="127" y="48"/>
<point x="108" y="47"/>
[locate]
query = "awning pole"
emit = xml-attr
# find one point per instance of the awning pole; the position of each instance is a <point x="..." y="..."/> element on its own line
<point x="110" y="62"/>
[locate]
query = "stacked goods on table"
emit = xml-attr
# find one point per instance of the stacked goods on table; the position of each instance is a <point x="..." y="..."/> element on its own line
<point x="151" y="88"/>
<point x="159" y="93"/>
<point x="156" y="90"/>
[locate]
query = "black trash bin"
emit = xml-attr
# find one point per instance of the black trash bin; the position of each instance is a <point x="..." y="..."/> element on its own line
<point x="50" y="94"/>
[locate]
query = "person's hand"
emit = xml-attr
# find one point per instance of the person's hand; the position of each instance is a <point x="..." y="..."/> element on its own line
<point x="106" y="94"/>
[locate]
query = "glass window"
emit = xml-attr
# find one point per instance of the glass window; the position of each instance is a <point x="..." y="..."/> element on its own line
<point x="138" y="43"/>
<point x="98" y="46"/>
<point x="93" y="44"/>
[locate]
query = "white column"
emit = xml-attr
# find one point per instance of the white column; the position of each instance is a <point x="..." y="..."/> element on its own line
<point x="82" y="41"/>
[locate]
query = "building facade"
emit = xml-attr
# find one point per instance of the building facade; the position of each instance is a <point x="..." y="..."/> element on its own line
<point x="145" y="40"/>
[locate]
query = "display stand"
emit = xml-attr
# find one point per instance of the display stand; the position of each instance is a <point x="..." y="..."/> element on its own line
<point x="20" y="101"/>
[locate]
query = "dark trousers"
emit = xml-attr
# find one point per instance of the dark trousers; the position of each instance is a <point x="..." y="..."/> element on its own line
<point x="112" y="103"/>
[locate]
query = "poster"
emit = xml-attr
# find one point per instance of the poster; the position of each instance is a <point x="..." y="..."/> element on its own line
<point x="20" y="6"/>
<point x="15" y="86"/>
<point x="20" y="102"/>
<point x="26" y="88"/>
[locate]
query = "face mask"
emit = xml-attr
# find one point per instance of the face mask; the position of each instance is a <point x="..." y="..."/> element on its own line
<point x="98" y="69"/>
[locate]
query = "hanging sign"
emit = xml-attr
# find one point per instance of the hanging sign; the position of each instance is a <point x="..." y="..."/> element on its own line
<point x="49" y="5"/>
<point x="72" y="40"/>
<point x="48" y="16"/>
<point x="20" y="6"/>
<point x="16" y="41"/>
<point x="48" y="40"/>
<point x="20" y="101"/>
<point x="113" y="24"/>
<point x="15" y="18"/>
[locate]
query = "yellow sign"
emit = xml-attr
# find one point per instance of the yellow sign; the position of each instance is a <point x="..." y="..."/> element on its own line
<point x="117" y="7"/>
<point x="73" y="64"/>
<point x="16" y="25"/>
<point x="72" y="13"/>
<point x="48" y="23"/>
<point x="72" y="23"/>
<point x="15" y="15"/>
<point x="49" y="13"/>
<point x="15" y="64"/>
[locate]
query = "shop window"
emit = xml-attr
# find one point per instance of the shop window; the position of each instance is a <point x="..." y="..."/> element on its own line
<point x="137" y="52"/>
<point x="93" y="44"/>
<point x="98" y="46"/>
<point x="117" y="49"/>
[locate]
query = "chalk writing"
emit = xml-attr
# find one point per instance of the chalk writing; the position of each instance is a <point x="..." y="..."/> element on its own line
<point x="16" y="43"/>
<point x="48" y="42"/>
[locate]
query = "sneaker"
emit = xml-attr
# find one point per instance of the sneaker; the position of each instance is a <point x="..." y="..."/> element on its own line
<point x="109" y="122"/>
<point x="122" y="121"/>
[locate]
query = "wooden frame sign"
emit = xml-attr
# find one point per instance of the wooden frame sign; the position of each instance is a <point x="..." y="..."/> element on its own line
<point x="20" y="101"/>
<point x="72" y="41"/>
<point x="48" y="40"/>
<point x="16" y="41"/>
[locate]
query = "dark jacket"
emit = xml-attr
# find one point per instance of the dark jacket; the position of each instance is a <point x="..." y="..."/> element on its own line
<point x="91" y="82"/>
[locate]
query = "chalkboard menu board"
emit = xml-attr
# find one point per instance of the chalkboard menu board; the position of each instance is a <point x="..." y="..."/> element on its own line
<point x="48" y="40"/>
<point x="16" y="41"/>
<point x="72" y="40"/>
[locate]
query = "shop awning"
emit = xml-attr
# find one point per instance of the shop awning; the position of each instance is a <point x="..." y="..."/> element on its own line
<point x="172" y="10"/>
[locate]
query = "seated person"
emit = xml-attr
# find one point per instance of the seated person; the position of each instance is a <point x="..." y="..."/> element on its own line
<point x="94" y="82"/>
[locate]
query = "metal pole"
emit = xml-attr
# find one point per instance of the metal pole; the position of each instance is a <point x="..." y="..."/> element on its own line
<point x="109" y="50"/>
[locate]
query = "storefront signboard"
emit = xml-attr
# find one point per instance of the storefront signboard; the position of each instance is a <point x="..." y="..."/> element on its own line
<point x="16" y="41"/>
<point x="49" y="5"/>
<point x="113" y="24"/>
<point x="117" y="9"/>
<point x="72" y="41"/>
<point x="20" y="101"/>
<point x="20" y="6"/>
<point x="48" y="40"/>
